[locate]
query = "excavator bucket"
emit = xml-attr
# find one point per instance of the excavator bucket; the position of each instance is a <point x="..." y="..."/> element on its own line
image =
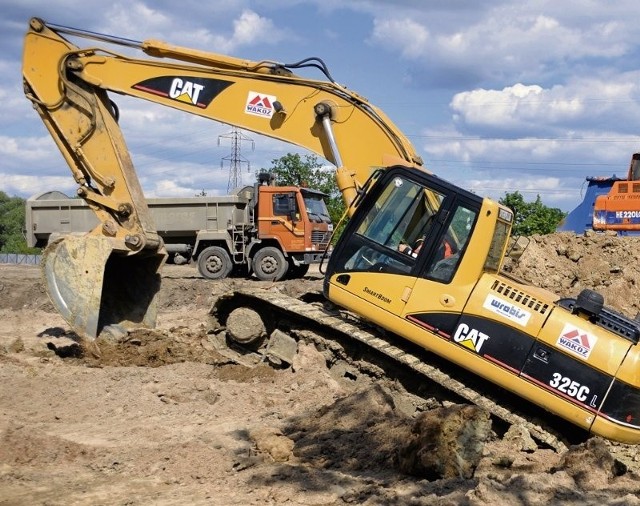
<point x="94" y="286"/>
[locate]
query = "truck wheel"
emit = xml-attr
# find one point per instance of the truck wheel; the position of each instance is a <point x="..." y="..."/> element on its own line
<point x="214" y="263"/>
<point x="269" y="264"/>
<point x="298" y="271"/>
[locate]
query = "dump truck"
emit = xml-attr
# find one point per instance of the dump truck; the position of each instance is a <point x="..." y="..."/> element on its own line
<point x="279" y="234"/>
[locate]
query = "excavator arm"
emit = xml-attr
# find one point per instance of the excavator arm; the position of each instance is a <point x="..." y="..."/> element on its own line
<point x="110" y="278"/>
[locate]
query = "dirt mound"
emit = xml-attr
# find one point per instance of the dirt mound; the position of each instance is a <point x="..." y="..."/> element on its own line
<point x="359" y="432"/>
<point x="566" y="263"/>
<point x="152" y="348"/>
<point x="22" y="288"/>
<point x="20" y="445"/>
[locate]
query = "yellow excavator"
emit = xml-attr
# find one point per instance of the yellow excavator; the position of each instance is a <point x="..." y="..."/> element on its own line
<point x="419" y="257"/>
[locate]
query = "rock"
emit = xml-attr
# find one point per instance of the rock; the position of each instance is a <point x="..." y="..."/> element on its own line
<point x="271" y="441"/>
<point x="446" y="443"/>
<point x="245" y="326"/>
<point x="281" y="349"/>
<point x="591" y="465"/>
<point x="520" y="438"/>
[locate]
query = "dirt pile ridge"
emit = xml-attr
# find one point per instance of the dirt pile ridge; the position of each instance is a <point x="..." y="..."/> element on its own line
<point x="567" y="263"/>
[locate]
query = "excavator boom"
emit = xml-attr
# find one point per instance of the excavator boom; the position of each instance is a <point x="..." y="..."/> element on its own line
<point x="69" y="86"/>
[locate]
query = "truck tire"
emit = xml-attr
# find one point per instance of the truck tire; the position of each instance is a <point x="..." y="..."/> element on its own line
<point x="297" y="271"/>
<point x="269" y="264"/>
<point x="214" y="263"/>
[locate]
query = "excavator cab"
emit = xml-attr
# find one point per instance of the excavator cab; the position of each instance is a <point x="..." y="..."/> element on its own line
<point x="410" y="228"/>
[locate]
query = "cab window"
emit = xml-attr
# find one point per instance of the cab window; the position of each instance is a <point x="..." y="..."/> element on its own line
<point x="393" y="228"/>
<point x="284" y="204"/>
<point x="445" y="262"/>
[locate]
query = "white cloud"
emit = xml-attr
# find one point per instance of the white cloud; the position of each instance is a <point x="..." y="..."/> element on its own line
<point x="518" y="107"/>
<point x="141" y="21"/>
<point x="527" y="184"/>
<point x="555" y="189"/>
<point x="526" y="108"/>
<point x="126" y="22"/>
<point x="25" y="185"/>
<point x="251" y="27"/>
<point x="409" y="37"/>
<point x="34" y="150"/>
<point x="509" y="40"/>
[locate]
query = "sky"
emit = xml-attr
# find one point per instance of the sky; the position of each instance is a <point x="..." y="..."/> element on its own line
<point x="496" y="97"/>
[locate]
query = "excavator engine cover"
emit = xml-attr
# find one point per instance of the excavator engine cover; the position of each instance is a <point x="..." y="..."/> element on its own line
<point x="94" y="286"/>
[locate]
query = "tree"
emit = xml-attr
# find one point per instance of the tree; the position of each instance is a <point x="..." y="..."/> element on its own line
<point x="294" y="170"/>
<point x="532" y="217"/>
<point x="12" y="213"/>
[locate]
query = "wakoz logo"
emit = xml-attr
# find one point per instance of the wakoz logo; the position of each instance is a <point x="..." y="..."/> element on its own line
<point x="259" y="104"/>
<point x="576" y="341"/>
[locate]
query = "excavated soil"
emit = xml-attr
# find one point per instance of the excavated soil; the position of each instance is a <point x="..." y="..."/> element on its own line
<point x="163" y="417"/>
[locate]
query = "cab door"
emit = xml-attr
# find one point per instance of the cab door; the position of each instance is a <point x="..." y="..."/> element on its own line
<point x="280" y="218"/>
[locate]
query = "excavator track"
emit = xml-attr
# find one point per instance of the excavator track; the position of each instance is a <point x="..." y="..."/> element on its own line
<point x="316" y="315"/>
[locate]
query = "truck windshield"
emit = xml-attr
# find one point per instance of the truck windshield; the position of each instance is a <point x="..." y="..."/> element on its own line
<point x="316" y="207"/>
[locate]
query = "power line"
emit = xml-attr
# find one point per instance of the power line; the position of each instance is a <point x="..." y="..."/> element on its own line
<point x="235" y="159"/>
<point x="595" y="140"/>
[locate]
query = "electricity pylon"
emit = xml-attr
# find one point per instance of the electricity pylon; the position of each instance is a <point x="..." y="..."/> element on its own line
<point x="235" y="159"/>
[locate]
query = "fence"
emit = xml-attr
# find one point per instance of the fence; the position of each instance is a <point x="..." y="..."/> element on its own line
<point x="16" y="258"/>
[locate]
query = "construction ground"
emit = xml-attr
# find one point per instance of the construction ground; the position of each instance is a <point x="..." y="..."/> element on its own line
<point x="163" y="418"/>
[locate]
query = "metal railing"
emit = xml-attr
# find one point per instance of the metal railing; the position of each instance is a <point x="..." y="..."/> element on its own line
<point x="17" y="258"/>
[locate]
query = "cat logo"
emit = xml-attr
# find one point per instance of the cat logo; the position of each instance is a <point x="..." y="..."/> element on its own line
<point x="192" y="91"/>
<point x="470" y="338"/>
<point x="185" y="91"/>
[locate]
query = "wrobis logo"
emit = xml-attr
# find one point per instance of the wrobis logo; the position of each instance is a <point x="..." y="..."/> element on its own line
<point x="506" y="310"/>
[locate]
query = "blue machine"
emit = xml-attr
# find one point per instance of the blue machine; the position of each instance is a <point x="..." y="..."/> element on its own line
<point x="581" y="218"/>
